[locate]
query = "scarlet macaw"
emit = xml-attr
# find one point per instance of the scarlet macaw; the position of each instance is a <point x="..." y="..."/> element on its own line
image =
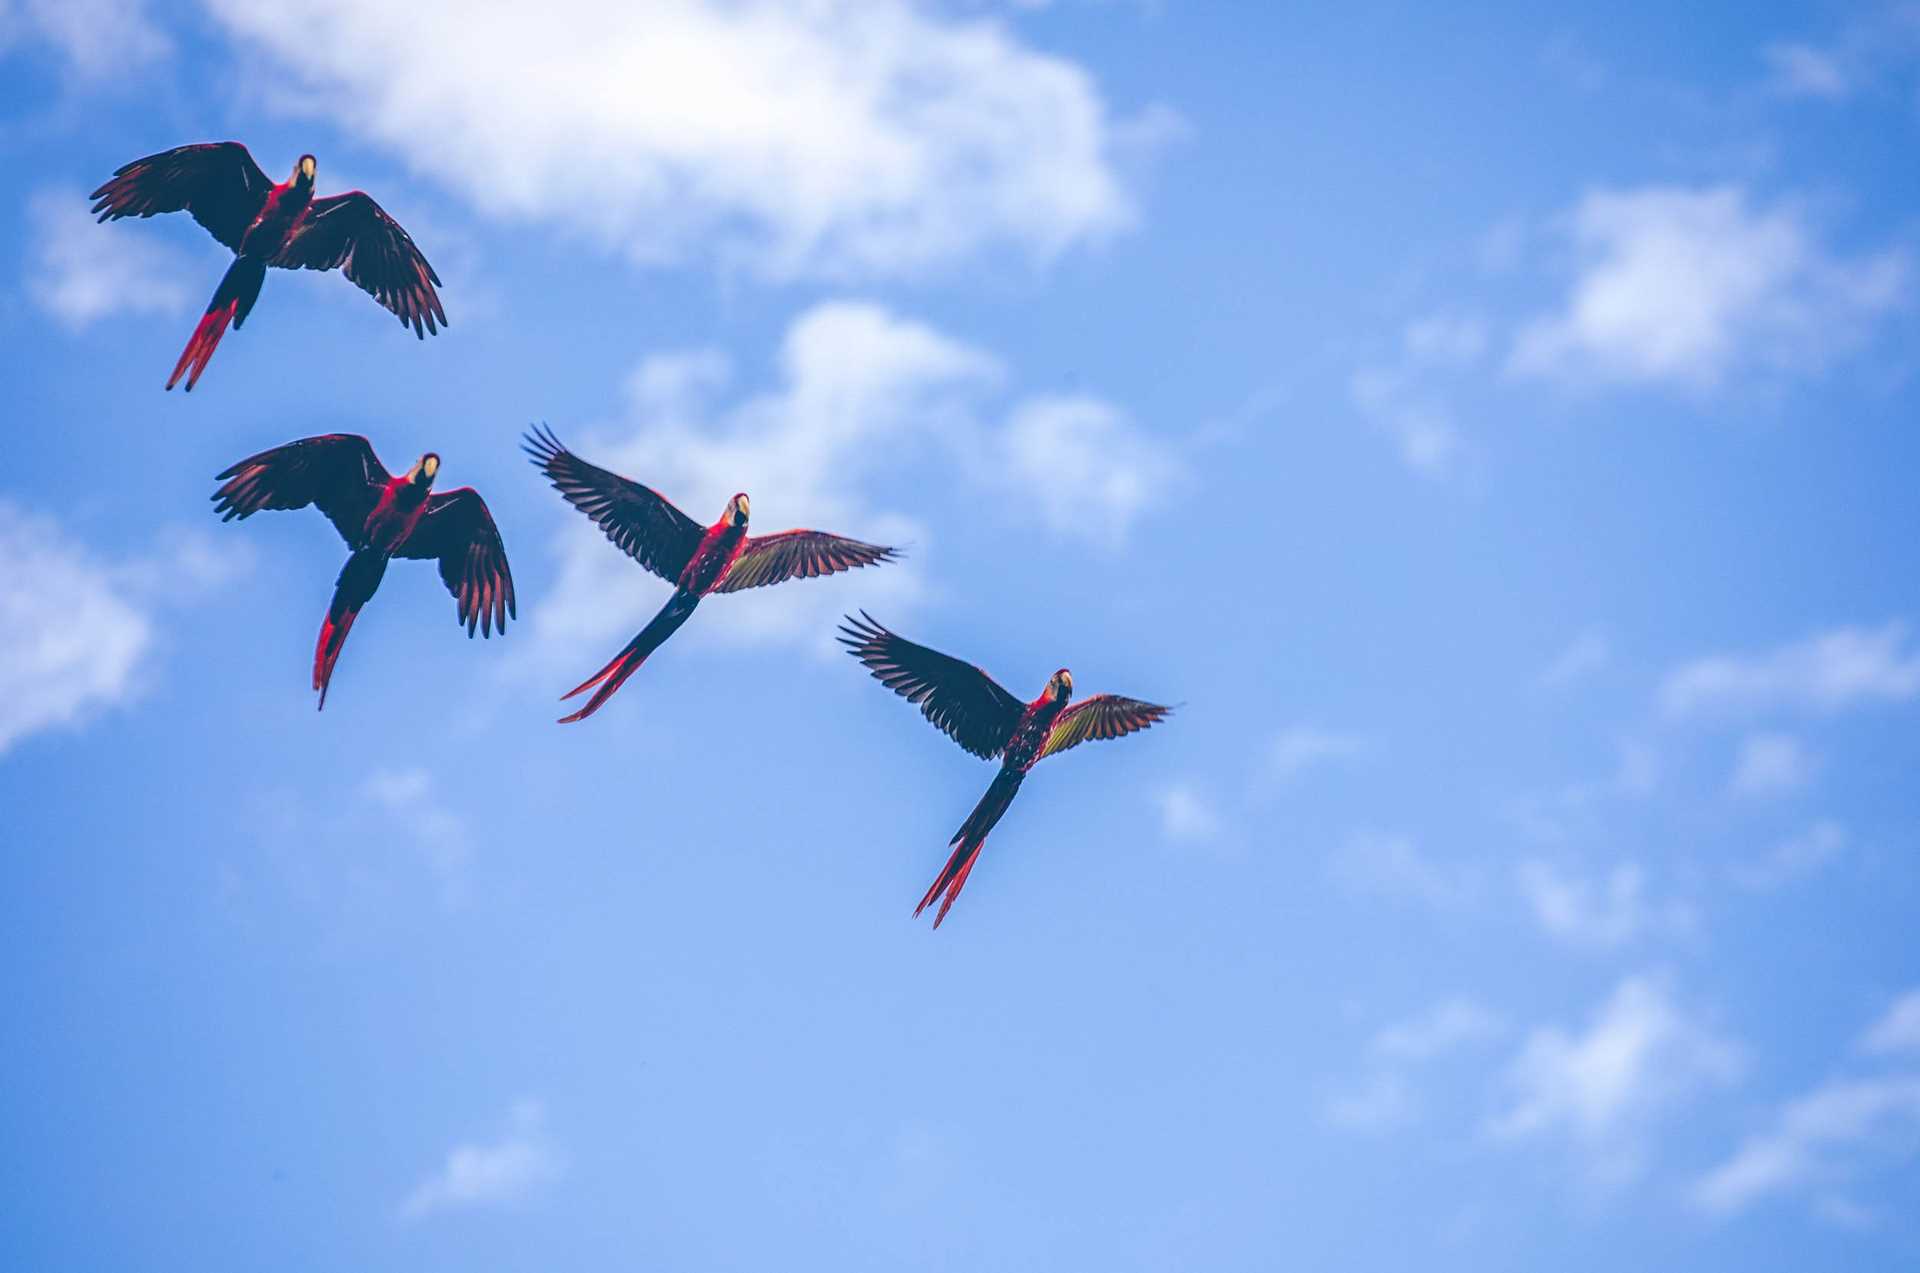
<point x="973" y="710"/>
<point x="265" y="224"/>
<point x="696" y="560"/>
<point x="380" y="517"/>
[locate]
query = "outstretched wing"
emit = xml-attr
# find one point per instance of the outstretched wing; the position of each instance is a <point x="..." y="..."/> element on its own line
<point x="336" y="472"/>
<point x="957" y="697"/>
<point x="458" y="530"/>
<point x="1100" y="717"/>
<point x="798" y="554"/>
<point x="352" y="233"/>
<point x="217" y="182"/>
<point x="643" y="523"/>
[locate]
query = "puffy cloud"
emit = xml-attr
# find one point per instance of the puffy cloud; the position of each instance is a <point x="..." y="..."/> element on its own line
<point x="81" y="272"/>
<point x="1640" y="1053"/>
<point x="830" y="137"/>
<point x="858" y="389"/>
<point x="1682" y="285"/>
<point x="80" y="630"/>
<point x="96" y="39"/>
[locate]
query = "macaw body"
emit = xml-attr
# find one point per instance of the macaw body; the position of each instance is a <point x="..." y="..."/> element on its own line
<point x="380" y="517"/>
<point x="272" y="225"/>
<point x="971" y="708"/>
<point x="698" y="562"/>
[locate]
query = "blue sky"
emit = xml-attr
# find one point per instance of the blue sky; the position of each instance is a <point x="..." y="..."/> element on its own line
<point x="1494" y="429"/>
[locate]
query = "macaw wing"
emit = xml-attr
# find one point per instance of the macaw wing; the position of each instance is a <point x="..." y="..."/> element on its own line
<point x="217" y="182"/>
<point x="798" y="554"/>
<point x="959" y="698"/>
<point x="639" y="520"/>
<point x="352" y="233"/>
<point x="336" y="472"/>
<point x="458" y="531"/>
<point x="1100" y="717"/>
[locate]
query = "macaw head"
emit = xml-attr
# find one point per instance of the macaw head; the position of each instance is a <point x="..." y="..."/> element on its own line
<point x="1060" y="687"/>
<point x="303" y="173"/>
<point x="736" y="514"/>
<point x="423" y="470"/>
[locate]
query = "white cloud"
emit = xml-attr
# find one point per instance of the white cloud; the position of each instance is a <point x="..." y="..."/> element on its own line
<point x="1392" y="866"/>
<point x="1449" y="1025"/>
<point x="1827" y="672"/>
<point x="1410" y="412"/>
<point x="1898" y="1030"/>
<point x="1770" y="764"/>
<point x="1817" y="1139"/>
<point x="80" y="272"/>
<point x="1793" y="858"/>
<point x="833" y="137"/>
<point x="1302" y="746"/>
<point x="495" y="1173"/>
<point x="96" y="39"/>
<point x="861" y="392"/>
<point x="1085" y="467"/>
<point x="1379" y="1100"/>
<point x="1187" y="815"/>
<point x="1682" y="285"/>
<point x="80" y="631"/>
<point x="1641" y="1053"/>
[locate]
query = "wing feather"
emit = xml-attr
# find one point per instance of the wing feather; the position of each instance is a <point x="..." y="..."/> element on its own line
<point x="799" y="554"/>
<point x="639" y="520"/>
<point x="458" y="530"/>
<point x="960" y="699"/>
<point x="352" y="233"/>
<point x="1101" y="717"/>
<point x="337" y="472"/>
<point x="217" y="182"/>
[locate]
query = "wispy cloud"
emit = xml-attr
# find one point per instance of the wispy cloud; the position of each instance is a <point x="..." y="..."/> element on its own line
<point x="845" y="137"/>
<point x="491" y="1173"/>
<point x="1451" y="1024"/>
<point x="1603" y="912"/>
<point x="1898" y="1031"/>
<point x="1389" y="865"/>
<point x="1770" y="764"/>
<point x="1186" y="815"/>
<point x="1585" y="655"/>
<point x="1301" y="747"/>
<point x="1384" y="1094"/>
<point x="409" y="799"/>
<point x="1836" y="669"/>
<point x="81" y="272"/>
<point x="1680" y="285"/>
<point x="1813" y="1140"/>
<point x="1793" y="858"/>
<point x="1406" y="395"/>
<point x="1640" y="1053"/>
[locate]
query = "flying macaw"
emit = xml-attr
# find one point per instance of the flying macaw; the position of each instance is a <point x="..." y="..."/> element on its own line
<point x="696" y="560"/>
<point x="265" y="224"/>
<point x="381" y="517"/>
<point x="973" y="710"/>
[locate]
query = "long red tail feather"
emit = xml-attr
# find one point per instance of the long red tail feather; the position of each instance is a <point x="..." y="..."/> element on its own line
<point x="326" y="652"/>
<point x="611" y="677"/>
<point x="205" y="339"/>
<point x="967" y="842"/>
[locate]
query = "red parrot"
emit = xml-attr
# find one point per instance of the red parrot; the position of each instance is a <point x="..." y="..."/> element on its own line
<point x="380" y="517"/>
<point x="265" y="224"/>
<point x="696" y="560"/>
<point x="972" y="709"/>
